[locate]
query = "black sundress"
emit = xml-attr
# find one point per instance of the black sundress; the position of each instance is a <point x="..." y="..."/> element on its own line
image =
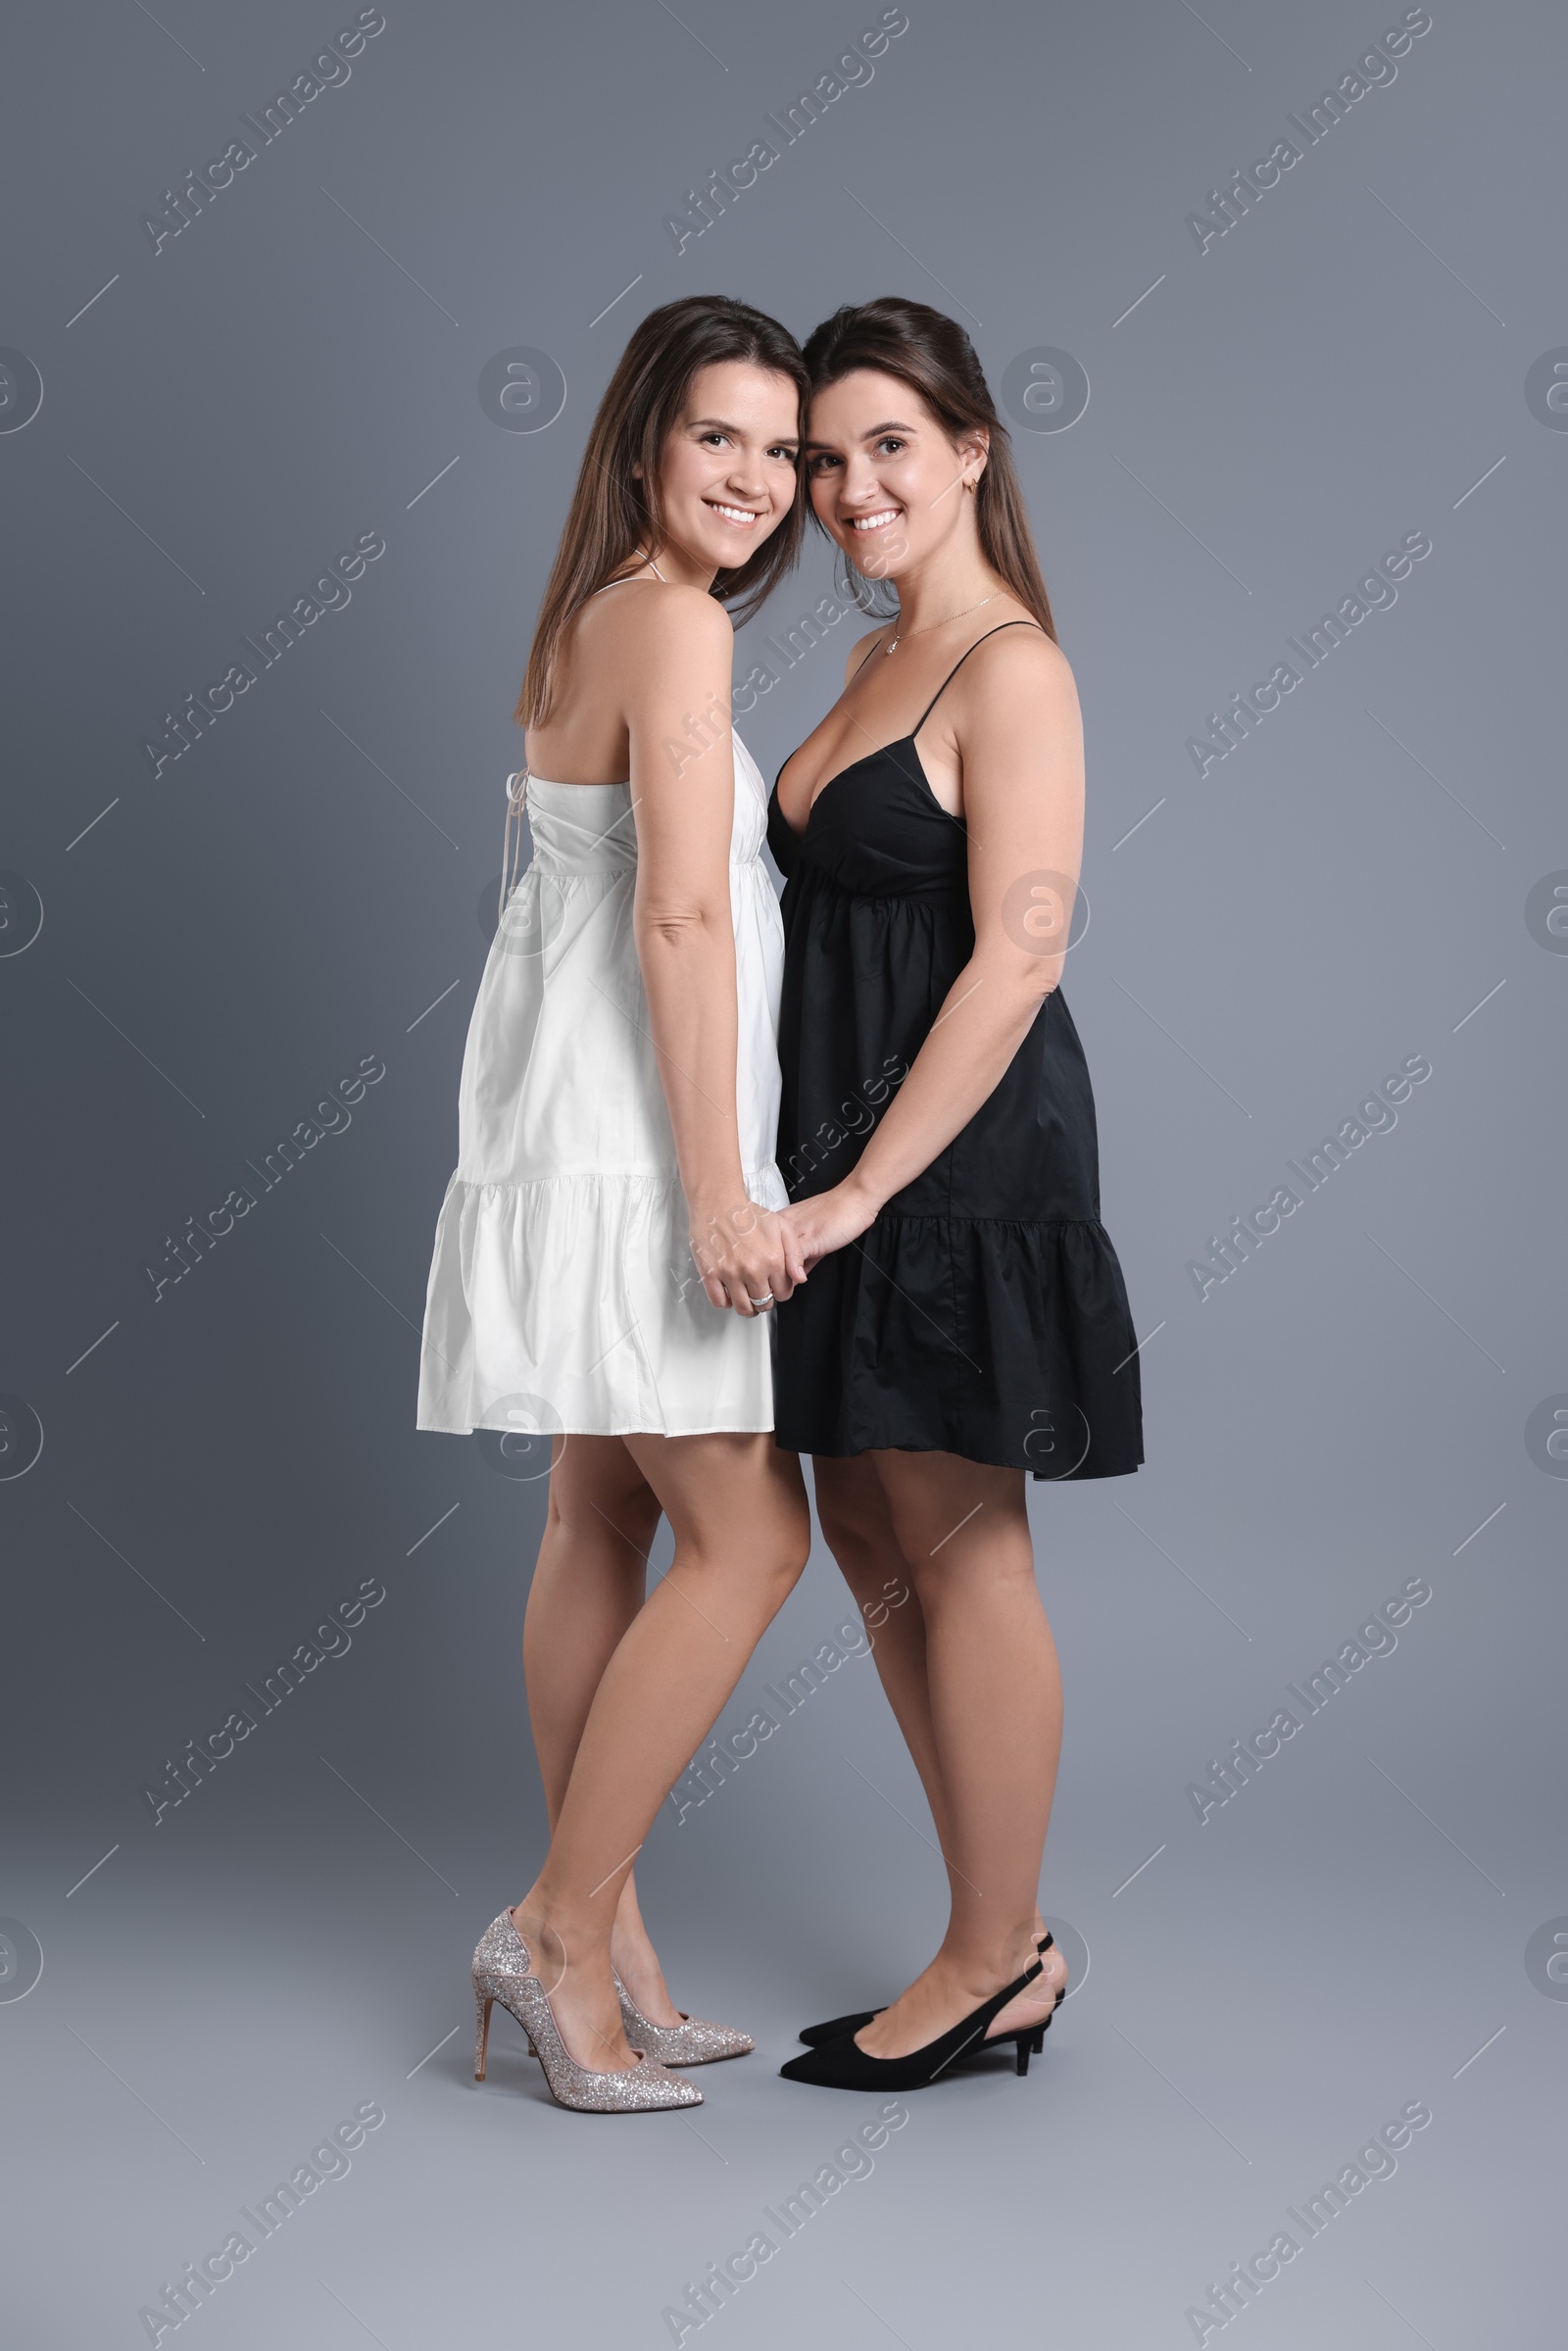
<point x="984" y="1313"/>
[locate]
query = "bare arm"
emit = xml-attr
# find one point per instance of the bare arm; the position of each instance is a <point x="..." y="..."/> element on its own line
<point x="1020" y="738"/>
<point x="676" y="679"/>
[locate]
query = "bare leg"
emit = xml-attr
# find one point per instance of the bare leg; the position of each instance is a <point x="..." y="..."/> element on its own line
<point x="588" y="1585"/>
<point x="737" y="1506"/>
<point x="857" y="1521"/>
<point x="990" y="1661"/>
<point x="857" y="1528"/>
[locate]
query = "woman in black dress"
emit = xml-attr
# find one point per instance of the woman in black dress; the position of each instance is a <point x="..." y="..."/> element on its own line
<point x="965" y="1322"/>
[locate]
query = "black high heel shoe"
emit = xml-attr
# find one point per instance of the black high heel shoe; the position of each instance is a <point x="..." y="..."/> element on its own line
<point x="843" y="2065"/>
<point x="817" y="2037"/>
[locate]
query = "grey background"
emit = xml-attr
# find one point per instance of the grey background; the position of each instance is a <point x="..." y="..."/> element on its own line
<point x="301" y="889"/>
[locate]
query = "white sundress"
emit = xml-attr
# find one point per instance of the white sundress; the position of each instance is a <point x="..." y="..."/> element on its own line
<point x="562" y="1294"/>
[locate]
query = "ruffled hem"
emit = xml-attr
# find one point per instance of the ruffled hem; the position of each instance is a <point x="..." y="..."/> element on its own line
<point x="1002" y="1342"/>
<point x="571" y="1305"/>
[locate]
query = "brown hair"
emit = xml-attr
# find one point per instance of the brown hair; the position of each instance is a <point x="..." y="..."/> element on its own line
<point x="936" y="359"/>
<point x="613" y="511"/>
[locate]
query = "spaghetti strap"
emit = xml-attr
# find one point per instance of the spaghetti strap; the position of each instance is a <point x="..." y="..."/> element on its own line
<point x="870" y="648"/>
<point x="516" y="808"/>
<point x="625" y="577"/>
<point x="958" y="665"/>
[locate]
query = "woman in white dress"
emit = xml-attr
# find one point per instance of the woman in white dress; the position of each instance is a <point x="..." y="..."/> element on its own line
<point x="609" y="1246"/>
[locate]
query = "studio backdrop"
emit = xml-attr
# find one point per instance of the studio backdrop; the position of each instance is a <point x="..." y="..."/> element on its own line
<point x="304" y="317"/>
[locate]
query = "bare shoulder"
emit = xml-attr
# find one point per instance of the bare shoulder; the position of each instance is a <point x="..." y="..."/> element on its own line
<point x="652" y="618"/>
<point x="1018" y="676"/>
<point x="860" y="652"/>
<point x="1027" y="656"/>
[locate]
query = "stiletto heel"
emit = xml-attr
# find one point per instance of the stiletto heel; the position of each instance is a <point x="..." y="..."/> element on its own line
<point x="690" y="2043"/>
<point x="844" y="2065"/>
<point x="502" y="1971"/>
<point x="817" y="2037"/>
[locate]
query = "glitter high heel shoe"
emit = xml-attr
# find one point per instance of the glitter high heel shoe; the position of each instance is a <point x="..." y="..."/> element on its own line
<point x="502" y="1971"/>
<point x="690" y="2043"/>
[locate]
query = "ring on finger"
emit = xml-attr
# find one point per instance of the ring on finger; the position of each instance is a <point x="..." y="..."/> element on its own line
<point x="759" y="1302"/>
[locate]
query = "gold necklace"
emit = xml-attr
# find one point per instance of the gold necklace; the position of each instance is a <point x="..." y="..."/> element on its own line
<point x="896" y="641"/>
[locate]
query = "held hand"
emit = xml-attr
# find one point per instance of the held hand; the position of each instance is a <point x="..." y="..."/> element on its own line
<point x="830" y="1220"/>
<point x="747" y="1256"/>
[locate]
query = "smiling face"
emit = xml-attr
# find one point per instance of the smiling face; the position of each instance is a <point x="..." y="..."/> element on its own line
<point x="728" y="474"/>
<point x="886" y="479"/>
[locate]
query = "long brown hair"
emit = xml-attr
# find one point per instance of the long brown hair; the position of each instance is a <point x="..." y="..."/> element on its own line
<point x="613" y="512"/>
<point x="936" y="359"/>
